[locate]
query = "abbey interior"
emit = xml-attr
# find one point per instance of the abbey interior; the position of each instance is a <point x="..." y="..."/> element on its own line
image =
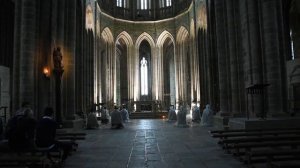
<point x="77" y="56"/>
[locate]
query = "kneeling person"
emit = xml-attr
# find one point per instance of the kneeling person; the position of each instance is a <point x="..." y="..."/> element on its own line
<point x="116" y="119"/>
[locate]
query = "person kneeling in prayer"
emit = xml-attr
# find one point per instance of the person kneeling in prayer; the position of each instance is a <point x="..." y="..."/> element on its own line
<point x="116" y="119"/>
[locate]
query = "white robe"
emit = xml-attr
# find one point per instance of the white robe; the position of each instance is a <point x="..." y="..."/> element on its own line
<point x="207" y="117"/>
<point x="125" y="115"/>
<point x="172" y="115"/>
<point x="92" y="121"/>
<point x="116" y="117"/>
<point x="196" y="113"/>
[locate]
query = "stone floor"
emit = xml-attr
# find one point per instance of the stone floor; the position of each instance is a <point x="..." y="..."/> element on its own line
<point x="150" y="143"/>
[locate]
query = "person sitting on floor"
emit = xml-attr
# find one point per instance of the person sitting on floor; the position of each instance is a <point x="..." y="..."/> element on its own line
<point x="116" y="119"/>
<point x="46" y="133"/>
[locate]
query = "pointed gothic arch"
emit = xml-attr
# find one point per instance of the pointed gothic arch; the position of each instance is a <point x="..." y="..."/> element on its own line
<point x="124" y="72"/>
<point x="108" y="68"/>
<point x="183" y="74"/>
<point x="143" y="37"/>
<point x="166" y="55"/>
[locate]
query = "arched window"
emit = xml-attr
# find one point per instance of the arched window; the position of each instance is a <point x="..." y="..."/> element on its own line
<point x="168" y="2"/>
<point x="144" y="77"/>
<point x="292" y="45"/>
<point x="144" y="4"/>
<point x="119" y="3"/>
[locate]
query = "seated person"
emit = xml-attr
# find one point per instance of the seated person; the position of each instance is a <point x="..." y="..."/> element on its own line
<point x="46" y="132"/>
<point x="172" y="114"/>
<point x="124" y="114"/>
<point x="20" y="131"/>
<point x="116" y="119"/>
<point x="1" y="129"/>
<point x="207" y="116"/>
<point x="104" y="115"/>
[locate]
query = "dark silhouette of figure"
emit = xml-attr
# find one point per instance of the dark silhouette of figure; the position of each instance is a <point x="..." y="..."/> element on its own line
<point x="57" y="59"/>
<point x="116" y="119"/>
<point x="46" y="132"/>
<point x="20" y="131"/>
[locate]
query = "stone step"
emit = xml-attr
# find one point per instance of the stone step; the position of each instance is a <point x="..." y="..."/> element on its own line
<point x="148" y="115"/>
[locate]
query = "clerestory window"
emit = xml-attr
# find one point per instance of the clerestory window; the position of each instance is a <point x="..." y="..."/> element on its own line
<point x="144" y="4"/>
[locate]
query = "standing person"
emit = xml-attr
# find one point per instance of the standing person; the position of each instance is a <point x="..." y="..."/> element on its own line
<point x="116" y="119"/>
<point x="124" y="114"/>
<point x="46" y="132"/>
<point x="20" y="131"/>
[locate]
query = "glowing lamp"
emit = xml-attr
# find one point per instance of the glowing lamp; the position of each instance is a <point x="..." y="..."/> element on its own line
<point x="46" y="72"/>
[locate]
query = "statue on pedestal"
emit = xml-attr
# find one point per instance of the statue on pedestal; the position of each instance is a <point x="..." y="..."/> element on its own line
<point x="57" y="59"/>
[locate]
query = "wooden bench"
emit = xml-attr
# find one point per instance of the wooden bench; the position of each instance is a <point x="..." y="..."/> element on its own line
<point x="269" y="155"/>
<point x="214" y="132"/>
<point x="289" y="164"/>
<point x="246" y="147"/>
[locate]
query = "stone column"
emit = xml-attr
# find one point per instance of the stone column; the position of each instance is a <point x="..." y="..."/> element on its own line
<point x="232" y="51"/>
<point x="17" y="54"/>
<point x="222" y="56"/>
<point x="69" y="61"/>
<point x="27" y="47"/>
<point x="272" y="55"/>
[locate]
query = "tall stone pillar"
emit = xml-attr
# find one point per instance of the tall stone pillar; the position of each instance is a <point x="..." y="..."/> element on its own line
<point x="250" y="26"/>
<point x="272" y="55"/>
<point x="17" y="54"/>
<point x="232" y="50"/>
<point x="69" y="61"/>
<point x="27" y="48"/>
<point x="222" y="56"/>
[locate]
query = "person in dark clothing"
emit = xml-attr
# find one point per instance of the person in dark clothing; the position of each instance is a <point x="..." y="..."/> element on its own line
<point x="1" y="129"/>
<point x="46" y="132"/>
<point x="21" y="130"/>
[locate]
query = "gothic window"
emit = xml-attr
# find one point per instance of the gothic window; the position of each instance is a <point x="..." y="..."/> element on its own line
<point x="165" y="3"/>
<point x="144" y="77"/>
<point x="144" y="4"/>
<point x="292" y="45"/>
<point x="119" y="3"/>
<point x="168" y="2"/>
